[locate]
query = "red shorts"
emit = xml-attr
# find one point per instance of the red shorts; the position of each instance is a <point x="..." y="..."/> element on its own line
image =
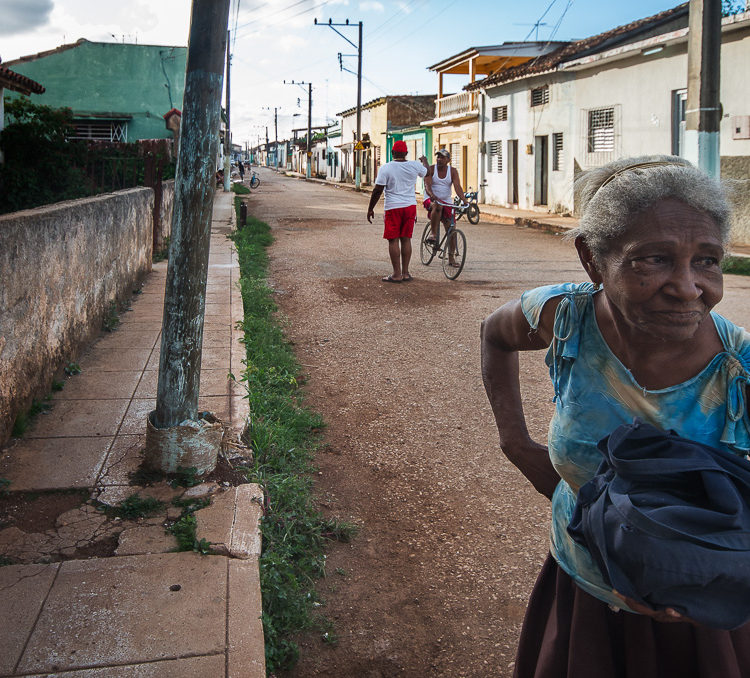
<point x="399" y="222"/>
<point x="445" y="214"/>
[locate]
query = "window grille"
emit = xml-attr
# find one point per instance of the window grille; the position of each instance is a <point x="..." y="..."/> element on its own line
<point x="557" y="151"/>
<point x="455" y="151"/>
<point x="100" y="130"/>
<point x="494" y="156"/>
<point x="499" y="113"/>
<point x="540" y="96"/>
<point x="601" y="130"/>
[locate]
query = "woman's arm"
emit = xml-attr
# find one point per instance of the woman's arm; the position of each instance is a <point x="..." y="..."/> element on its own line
<point x="504" y="333"/>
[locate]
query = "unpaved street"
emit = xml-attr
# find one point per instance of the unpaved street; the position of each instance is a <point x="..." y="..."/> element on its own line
<point x="451" y="535"/>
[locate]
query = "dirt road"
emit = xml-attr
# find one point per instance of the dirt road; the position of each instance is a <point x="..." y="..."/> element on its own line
<point x="451" y="535"/>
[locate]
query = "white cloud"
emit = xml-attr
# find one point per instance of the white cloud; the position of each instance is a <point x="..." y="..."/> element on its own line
<point x="371" y="6"/>
<point x="20" y="16"/>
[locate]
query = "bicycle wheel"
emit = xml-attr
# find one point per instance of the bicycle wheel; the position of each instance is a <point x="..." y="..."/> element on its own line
<point x="254" y="182"/>
<point x="454" y="255"/>
<point x="472" y="213"/>
<point x="426" y="252"/>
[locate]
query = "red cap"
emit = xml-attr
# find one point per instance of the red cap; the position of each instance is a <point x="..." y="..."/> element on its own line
<point x="400" y="147"/>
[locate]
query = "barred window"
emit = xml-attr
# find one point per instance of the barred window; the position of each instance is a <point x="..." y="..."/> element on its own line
<point x="100" y="130"/>
<point x="499" y="113"/>
<point x="601" y="130"/>
<point x="455" y="151"/>
<point x="494" y="156"/>
<point x="557" y="151"/>
<point x="540" y="96"/>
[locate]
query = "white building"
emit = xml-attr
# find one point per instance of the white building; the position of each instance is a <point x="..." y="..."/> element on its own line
<point x="618" y="94"/>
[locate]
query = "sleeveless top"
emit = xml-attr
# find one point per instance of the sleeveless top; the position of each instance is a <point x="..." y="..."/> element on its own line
<point x="595" y="393"/>
<point x="441" y="188"/>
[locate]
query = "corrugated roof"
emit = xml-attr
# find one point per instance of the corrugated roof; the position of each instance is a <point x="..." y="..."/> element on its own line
<point x="18" y="83"/>
<point x="549" y="61"/>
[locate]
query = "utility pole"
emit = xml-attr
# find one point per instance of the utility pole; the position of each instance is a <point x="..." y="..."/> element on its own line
<point x="276" y="135"/>
<point x="228" y="133"/>
<point x="309" y="120"/>
<point x="358" y="46"/>
<point x="703" y="114"/>
<point x="185" y="294"/>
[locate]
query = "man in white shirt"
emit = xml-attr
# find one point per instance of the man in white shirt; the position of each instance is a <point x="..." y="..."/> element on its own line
<point x="398" y="179"/>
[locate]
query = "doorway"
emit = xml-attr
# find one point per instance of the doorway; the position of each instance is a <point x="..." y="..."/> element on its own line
<point x="541" y="169"/>
<point x="513" y="171"/>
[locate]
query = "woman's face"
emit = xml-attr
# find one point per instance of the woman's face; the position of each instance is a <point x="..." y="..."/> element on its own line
<point x="664" y="276"/>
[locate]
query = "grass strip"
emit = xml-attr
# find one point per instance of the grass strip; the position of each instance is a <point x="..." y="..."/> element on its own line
<point x="736" y="265"/>
<point x="240" y="188"/>
<point x="284" y="436"/>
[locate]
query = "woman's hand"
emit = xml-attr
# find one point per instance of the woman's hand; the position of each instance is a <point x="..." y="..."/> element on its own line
<point x="533" y="461"/>
<point x="667" y="615"/>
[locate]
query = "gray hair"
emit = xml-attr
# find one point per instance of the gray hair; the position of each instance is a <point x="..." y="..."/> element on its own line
<point x="608" y="198"/>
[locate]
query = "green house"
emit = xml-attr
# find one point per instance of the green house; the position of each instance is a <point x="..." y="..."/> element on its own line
<point x="117" y="91"/>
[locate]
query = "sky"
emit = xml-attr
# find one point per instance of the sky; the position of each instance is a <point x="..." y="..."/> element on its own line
<point x="273" y="41"/>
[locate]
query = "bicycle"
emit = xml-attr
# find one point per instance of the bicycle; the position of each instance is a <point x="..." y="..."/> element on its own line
<point x="470" y="208"/>
<point x="254" y="180"/>
<point x="451" y="248"/>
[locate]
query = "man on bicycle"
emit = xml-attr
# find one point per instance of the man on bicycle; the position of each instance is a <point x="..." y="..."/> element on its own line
<point x="440" y="179"/>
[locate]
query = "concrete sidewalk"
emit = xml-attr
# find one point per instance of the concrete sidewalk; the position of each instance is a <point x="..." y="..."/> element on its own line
<point x="136" y="608"/>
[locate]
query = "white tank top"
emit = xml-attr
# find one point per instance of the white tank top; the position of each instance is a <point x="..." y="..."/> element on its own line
<point x="441" y="188"/>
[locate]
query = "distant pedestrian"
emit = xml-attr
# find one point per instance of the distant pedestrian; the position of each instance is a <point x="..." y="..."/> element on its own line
<point x="241" y="168"/>
<point x="398" y="179"/>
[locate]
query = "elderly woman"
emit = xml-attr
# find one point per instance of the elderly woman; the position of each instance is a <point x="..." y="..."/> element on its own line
<point x="639" y="340"/>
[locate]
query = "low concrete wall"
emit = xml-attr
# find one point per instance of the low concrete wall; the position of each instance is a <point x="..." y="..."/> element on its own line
<point x="167" y="209"/>
<point x="61" y="266"/>
<point x="736" y="171"/>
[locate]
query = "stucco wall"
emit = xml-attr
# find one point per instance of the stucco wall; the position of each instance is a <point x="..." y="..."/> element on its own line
<point x="167" y="209"/>
<point x="61" y="266"/>
<point x="735" y="171"/>
<point x="141" y="82"/>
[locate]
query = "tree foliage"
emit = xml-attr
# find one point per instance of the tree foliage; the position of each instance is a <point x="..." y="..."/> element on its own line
<point x="40" y="165"/>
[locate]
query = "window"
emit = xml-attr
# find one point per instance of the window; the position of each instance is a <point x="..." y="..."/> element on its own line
<point x="557" y="150"/>
<point x="540" y="96"/>
<point x="494" y="156"/>
<point x="100" y="130"/>
<point x="499" y="113"/>
<point x="455" y="151"/>
<point x="601" y="130"/>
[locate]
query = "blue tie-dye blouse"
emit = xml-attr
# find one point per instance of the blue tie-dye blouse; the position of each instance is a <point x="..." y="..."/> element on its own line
<point x="595" y="393"/>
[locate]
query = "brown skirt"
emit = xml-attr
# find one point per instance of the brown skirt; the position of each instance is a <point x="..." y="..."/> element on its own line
<point x="569" y="633"/>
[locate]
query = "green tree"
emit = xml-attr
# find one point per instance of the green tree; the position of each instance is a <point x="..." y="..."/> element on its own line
<point x="40" y="164"/>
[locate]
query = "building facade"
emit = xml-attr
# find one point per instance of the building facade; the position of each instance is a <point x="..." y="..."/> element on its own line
<point x="118" y="92"/>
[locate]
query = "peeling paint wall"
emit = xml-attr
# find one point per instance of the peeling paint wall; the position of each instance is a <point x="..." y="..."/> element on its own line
<point x="61" y="265"/>
<point x="167" y="210"/>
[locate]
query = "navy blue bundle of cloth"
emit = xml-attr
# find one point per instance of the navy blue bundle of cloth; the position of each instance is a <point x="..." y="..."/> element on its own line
<point x="667" y="520"/>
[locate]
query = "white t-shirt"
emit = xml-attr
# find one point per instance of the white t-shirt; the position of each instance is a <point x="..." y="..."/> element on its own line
<point x="400" y="179"/>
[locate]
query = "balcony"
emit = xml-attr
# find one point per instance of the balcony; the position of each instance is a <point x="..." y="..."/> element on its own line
<point x="464" y="103"/>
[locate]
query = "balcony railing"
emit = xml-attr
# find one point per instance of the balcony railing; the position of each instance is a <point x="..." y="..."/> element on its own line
<point x="455" y="104"/>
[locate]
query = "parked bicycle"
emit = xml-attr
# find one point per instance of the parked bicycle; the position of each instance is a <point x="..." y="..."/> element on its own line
<point x="254" y="180"/>
<point x="451" y="248"/>
<point x="469" y="208"/>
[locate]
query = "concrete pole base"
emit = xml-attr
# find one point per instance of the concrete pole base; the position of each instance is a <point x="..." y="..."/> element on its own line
<point x="191" y="444"/>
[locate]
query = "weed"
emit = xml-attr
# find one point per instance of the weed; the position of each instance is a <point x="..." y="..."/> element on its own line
<point x="72" y="368"/>
<point x="340" y="571"/>
<point x="25" y="419"/>
<point x="185" y="476"/>
<point x="111" y="318"/>
<point x="4" y="485"/>
<point x="58" y="385"/>
<point x="284" y="436"/>
<point x="133" y="507"/>
<point x="4" y="560"/>
<point x="736" y="265"/>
